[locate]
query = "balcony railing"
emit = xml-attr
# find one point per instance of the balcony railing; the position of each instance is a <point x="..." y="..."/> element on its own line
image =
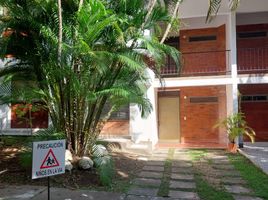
<point x="198" y="64"/>
<point x="252" y="60"/>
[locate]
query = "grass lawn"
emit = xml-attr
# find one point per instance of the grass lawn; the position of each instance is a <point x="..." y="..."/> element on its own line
<point x="257" y="180"/>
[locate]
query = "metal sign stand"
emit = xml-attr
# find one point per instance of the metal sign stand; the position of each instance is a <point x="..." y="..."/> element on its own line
<point x="48" y="188"/>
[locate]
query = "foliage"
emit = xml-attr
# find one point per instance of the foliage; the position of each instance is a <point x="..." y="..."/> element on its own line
<point x="214" y="6"/>
<point x="256" y="179"/>
<point x="25" y="159"/>
<point x="235" y="126"/>
<point x="104" y="164"/>
<point x="103" y="56"/>
<point x="208" y="191"/>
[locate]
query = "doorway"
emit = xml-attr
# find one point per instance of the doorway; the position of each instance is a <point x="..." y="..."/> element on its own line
<point x="169" y="116"/>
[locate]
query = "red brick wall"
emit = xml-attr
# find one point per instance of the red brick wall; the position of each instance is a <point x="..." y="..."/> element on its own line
<point x="252" y="53"/>
<point x="201" y="117"/>
<point x="116" y="128"/>
<point x="203" y="56"/>
<point x="20" y="117"/>
<point x="256" y="112"/>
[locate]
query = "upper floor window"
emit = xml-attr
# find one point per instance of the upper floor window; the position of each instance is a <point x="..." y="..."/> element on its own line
<point x="254" y="98"/>
<point x="255" y="34"/>
<point x="202" y="38"/>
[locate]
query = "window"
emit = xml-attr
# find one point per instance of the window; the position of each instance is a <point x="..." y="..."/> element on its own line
<point x="254" y="98"/>
<point x="203" y="99"/>
<point x="202" y="38"/>
<point x="252" y="34"/>
<point x="121" y="114"/>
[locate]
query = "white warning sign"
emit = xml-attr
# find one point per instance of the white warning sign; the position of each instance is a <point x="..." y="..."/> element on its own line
<point x="48" y="158"/>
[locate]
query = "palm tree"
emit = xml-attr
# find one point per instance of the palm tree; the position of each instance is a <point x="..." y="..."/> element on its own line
<point x="100" y="57"/>
<point x="214" y="6"/>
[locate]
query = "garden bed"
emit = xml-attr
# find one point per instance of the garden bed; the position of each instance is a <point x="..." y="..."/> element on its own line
<point x="11" y="172"/>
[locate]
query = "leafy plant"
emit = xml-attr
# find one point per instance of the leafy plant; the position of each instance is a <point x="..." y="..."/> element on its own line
<point x="81" y="57"/>
<point x="25" y="159"/>
<point x="235" y="126"/>
<point x="104" y="164"/>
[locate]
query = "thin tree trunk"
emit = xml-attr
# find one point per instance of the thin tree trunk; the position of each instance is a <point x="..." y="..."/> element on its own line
<point x="80" y="4"/>
<point x="174" y="15"/>
<point x="150" y="10"/>
<point x="60" y="31"/>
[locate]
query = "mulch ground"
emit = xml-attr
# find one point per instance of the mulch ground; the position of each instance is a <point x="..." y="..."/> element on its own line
<point x="11" y="172"/>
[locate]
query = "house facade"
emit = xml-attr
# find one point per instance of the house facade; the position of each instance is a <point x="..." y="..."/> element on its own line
<point x="219" y="59"/>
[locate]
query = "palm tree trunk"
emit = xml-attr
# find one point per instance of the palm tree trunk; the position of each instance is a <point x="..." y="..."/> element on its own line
<point x="174" y="15"/>
<point x="60" y="31"/>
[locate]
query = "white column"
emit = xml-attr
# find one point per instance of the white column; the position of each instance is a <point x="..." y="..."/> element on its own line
<point x="144" y="129"/>
<point x="233" y="60"/>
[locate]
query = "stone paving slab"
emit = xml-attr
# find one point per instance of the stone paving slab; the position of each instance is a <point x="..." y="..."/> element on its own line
<point x="241" y="197"/>
<point x="221" y="162"/>
<point x="183" y="195"/>
<point x="232" y="173"/>
<point x="182" y="185"/>
<point x="143" y="191"/>
<point x="182" y="158"/>
<point x="147" y="182"/>
<point x="181" y="170"/>
<point x="237" y="189"/>
<point x="181" y="164"/>
<point x="230" y="180"/>
<point x="224" y="167"/>
<point x="182" y="176"/>
<point x="155" y="158"/>
<point x="65" y="194"/>
<point x="134" y="197"/>
<point x="218" y="157"/>
<point x="149" y="174"/>
<point x="20" y="192"/>
<point x="155" y="163"/>
<point x="153" y="168"/>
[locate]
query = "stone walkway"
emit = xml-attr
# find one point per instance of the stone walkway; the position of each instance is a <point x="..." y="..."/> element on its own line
<point x="167" y="175"/>
<point x="176" y="173"/>
<point x="173" y="172"/>
<point x="223" y="172"/>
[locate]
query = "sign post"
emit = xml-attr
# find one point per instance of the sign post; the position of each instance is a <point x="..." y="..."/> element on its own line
<point x="48" y="160"/>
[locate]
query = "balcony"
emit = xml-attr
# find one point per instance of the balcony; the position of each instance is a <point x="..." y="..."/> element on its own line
<point x="207" y="63"/>
<point x="252" y="60"/>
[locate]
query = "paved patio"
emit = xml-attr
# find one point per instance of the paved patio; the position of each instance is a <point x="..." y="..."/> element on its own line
<point x="257" y="153"/>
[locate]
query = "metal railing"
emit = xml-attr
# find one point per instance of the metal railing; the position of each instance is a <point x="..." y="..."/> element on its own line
<point x="198" y="64"/>
<point x="252" y="60"/>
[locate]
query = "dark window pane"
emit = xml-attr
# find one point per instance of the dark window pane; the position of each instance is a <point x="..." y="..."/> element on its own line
<point x="252" y="34"/>
<point x="202" y="38"/>
<point x="203" y="99"/>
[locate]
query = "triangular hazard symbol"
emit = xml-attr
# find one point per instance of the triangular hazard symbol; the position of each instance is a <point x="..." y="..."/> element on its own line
<point x="49" y="161"/>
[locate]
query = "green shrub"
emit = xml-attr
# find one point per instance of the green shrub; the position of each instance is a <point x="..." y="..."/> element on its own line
<point x="25" y="159"/>
<point x="106" y="172"/>
<point x="104" y="164"/>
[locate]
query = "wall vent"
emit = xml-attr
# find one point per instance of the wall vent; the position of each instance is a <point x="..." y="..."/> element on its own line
<point x="202" y="38"/>
<point x="203" y="99"/>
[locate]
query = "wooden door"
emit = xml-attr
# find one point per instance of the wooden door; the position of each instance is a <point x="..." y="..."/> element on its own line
<point x="169" y="118"/>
